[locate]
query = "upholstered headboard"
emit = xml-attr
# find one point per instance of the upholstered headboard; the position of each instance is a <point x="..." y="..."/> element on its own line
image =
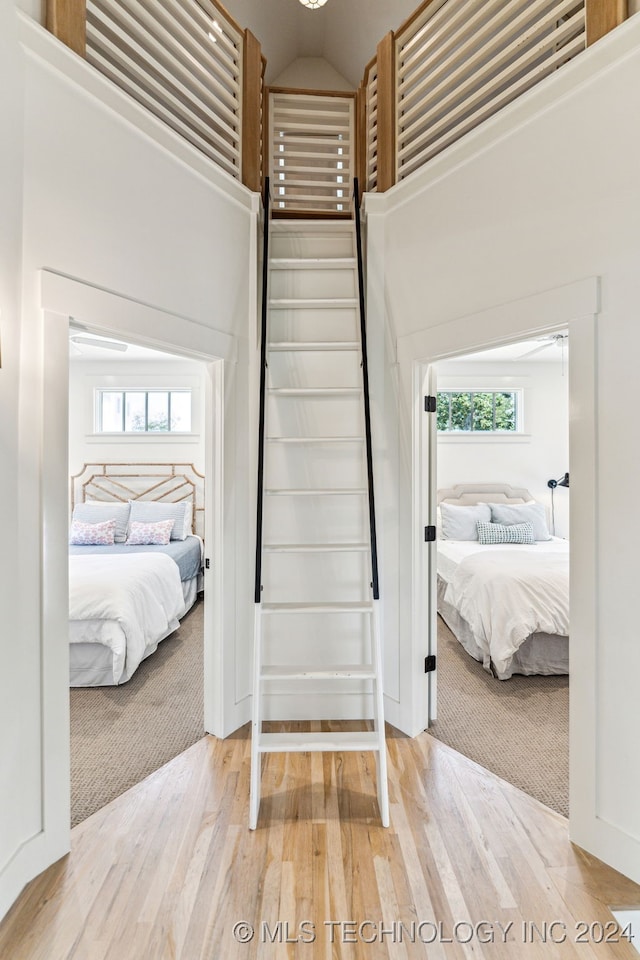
<point x="160" y="482"/>
<point x="466" y="494"/>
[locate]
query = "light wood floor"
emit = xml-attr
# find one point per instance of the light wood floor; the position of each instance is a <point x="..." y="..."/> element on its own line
<point x="168" y="869"/>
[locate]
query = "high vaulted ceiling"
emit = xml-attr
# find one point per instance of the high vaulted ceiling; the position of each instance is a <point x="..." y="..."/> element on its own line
<point x="343" y="32"/>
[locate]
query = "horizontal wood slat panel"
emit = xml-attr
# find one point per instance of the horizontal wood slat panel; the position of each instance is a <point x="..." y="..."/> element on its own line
<point x="183" y="60"/>
<point x="312" y="148"/>
<point x="460" y="61"/>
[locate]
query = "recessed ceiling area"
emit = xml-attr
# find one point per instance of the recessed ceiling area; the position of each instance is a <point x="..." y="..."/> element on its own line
<point x="343" y="32"/>
<point x="546" y="348"/>
<point x="86" y="346"/>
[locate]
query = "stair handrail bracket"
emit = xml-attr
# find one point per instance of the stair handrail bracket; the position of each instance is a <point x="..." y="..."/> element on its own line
<point x="375" y="583"/>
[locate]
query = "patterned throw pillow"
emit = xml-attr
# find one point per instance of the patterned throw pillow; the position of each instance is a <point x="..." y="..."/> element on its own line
<point x="505" y="533"/>
<point x="91" y="534"/>
<point x="158" y="533"/>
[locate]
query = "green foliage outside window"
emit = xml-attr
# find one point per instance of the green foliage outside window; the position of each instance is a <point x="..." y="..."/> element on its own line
<point x="490" y="411"/>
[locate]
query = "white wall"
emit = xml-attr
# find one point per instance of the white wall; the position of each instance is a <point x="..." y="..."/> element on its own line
<point x="312" y="73"/>
<point x="111" y="198"/>
<point x="33" y="8"/>
<point x="19" y="681"/>
<point x="546" y="194"/>
<point x="528" y="461"/>
<point x="85" y="446"/>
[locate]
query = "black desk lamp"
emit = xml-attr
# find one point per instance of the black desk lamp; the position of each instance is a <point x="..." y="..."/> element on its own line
<point x="552" y="484"/>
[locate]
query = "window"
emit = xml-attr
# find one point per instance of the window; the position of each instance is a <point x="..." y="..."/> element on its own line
<point x="143" y="411"/>
<point x="481" y="411"/>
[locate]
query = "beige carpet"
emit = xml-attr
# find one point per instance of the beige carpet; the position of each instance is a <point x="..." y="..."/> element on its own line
<point x="119" y="735"/>
<point x="517" y="728"/>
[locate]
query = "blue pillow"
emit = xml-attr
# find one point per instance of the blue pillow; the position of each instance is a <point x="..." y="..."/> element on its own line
<point x="459" y="522"/>
<point x="97" y="511"/>
<point x="534" y="513"/>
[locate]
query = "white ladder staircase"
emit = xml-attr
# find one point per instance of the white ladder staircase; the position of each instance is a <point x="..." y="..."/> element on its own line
<point x="316" y="575"/>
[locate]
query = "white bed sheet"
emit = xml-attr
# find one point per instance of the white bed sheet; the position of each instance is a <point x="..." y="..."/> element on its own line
<point x="507" y="593"/>
<point x="125" y="603"/>
<point x="452" y="552"/>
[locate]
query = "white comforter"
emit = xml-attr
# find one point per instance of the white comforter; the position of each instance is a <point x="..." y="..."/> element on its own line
<point x="128" y="603"/>
<point x="507" y="595"/>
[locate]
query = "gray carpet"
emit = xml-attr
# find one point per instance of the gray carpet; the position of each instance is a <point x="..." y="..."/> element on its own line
<point x="119" y="735"/>
<point x="517" y="728"/>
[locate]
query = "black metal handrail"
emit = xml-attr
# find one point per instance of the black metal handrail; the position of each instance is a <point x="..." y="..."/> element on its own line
<point x="367" y="408"/>
<point x="263" y="384"/>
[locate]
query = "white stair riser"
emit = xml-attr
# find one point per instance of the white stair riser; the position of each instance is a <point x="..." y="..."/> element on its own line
<point x="307" y="283"/>
<point x="314" y="465"/>
<point x="336" y="705"/>
<point x="314" y="416"/>
<point x="316" y="577"/>
<point x="341" y="638"/>
<point x="313" y="323"/>
<point x="315" y="519"/>
<point x="322" y="369"/>
<point x="311" y="246"/>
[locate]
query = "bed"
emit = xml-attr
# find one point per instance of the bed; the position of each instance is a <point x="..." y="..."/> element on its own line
<point x="127" y="592"/>
<point x="506" y="603"/>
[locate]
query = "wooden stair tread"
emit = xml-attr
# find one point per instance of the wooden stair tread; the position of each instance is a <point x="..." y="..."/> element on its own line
<point x="317" y="742"/>
<point x="310" y="672"/>
<point x="347" y="606"/>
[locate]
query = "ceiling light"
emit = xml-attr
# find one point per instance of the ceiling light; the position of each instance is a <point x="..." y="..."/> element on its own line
<point x="313" y="4"/>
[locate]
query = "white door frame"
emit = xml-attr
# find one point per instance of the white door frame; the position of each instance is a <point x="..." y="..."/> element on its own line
<point x="108" y="313"/>
<point x="574" y="306"/>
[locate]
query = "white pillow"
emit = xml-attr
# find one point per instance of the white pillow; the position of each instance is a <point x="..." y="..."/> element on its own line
<point x="460" y="523"/>
<point x="97" y="511"/>
<point x="535" y="513"/>
<point x="150" y="511"/>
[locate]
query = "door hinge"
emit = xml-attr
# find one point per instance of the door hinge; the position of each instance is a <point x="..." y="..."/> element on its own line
<point x="429" y="534"/>
<point x="430" y="663"/>
<point x="207" y="563"/>
<point x="429" y="404"/>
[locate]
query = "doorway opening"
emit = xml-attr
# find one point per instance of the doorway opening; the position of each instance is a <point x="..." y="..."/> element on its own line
<point x="138" y="427"/>
<point x="502" y="450"/>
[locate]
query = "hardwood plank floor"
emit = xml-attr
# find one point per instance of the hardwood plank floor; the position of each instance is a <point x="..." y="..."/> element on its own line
<point x="469" y="863"/>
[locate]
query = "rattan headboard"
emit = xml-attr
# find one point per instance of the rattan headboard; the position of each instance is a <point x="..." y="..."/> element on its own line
<point x="466" y="494"/>
<point x="162" y="482"/>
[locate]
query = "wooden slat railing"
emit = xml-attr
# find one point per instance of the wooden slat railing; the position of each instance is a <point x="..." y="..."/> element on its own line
<point x="488" y="58"/>
<point x="312" y="147"/>
<point x="182" y="60"/>
<point x="458" y="62"/>
<point x="451" y="65"/>
<point x="187" y="61"/>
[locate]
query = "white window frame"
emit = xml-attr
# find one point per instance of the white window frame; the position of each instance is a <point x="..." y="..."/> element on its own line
<point x="97" y="408"/>
<point x="495" y="384"/>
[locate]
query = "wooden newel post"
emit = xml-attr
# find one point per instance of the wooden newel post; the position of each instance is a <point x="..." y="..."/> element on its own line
<point x="361" y="136"/>
<point x="386" y="113"/>
<point x="67" y="20"/>
<point x="251" y="109"/>
<point x="603" y="16"/>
